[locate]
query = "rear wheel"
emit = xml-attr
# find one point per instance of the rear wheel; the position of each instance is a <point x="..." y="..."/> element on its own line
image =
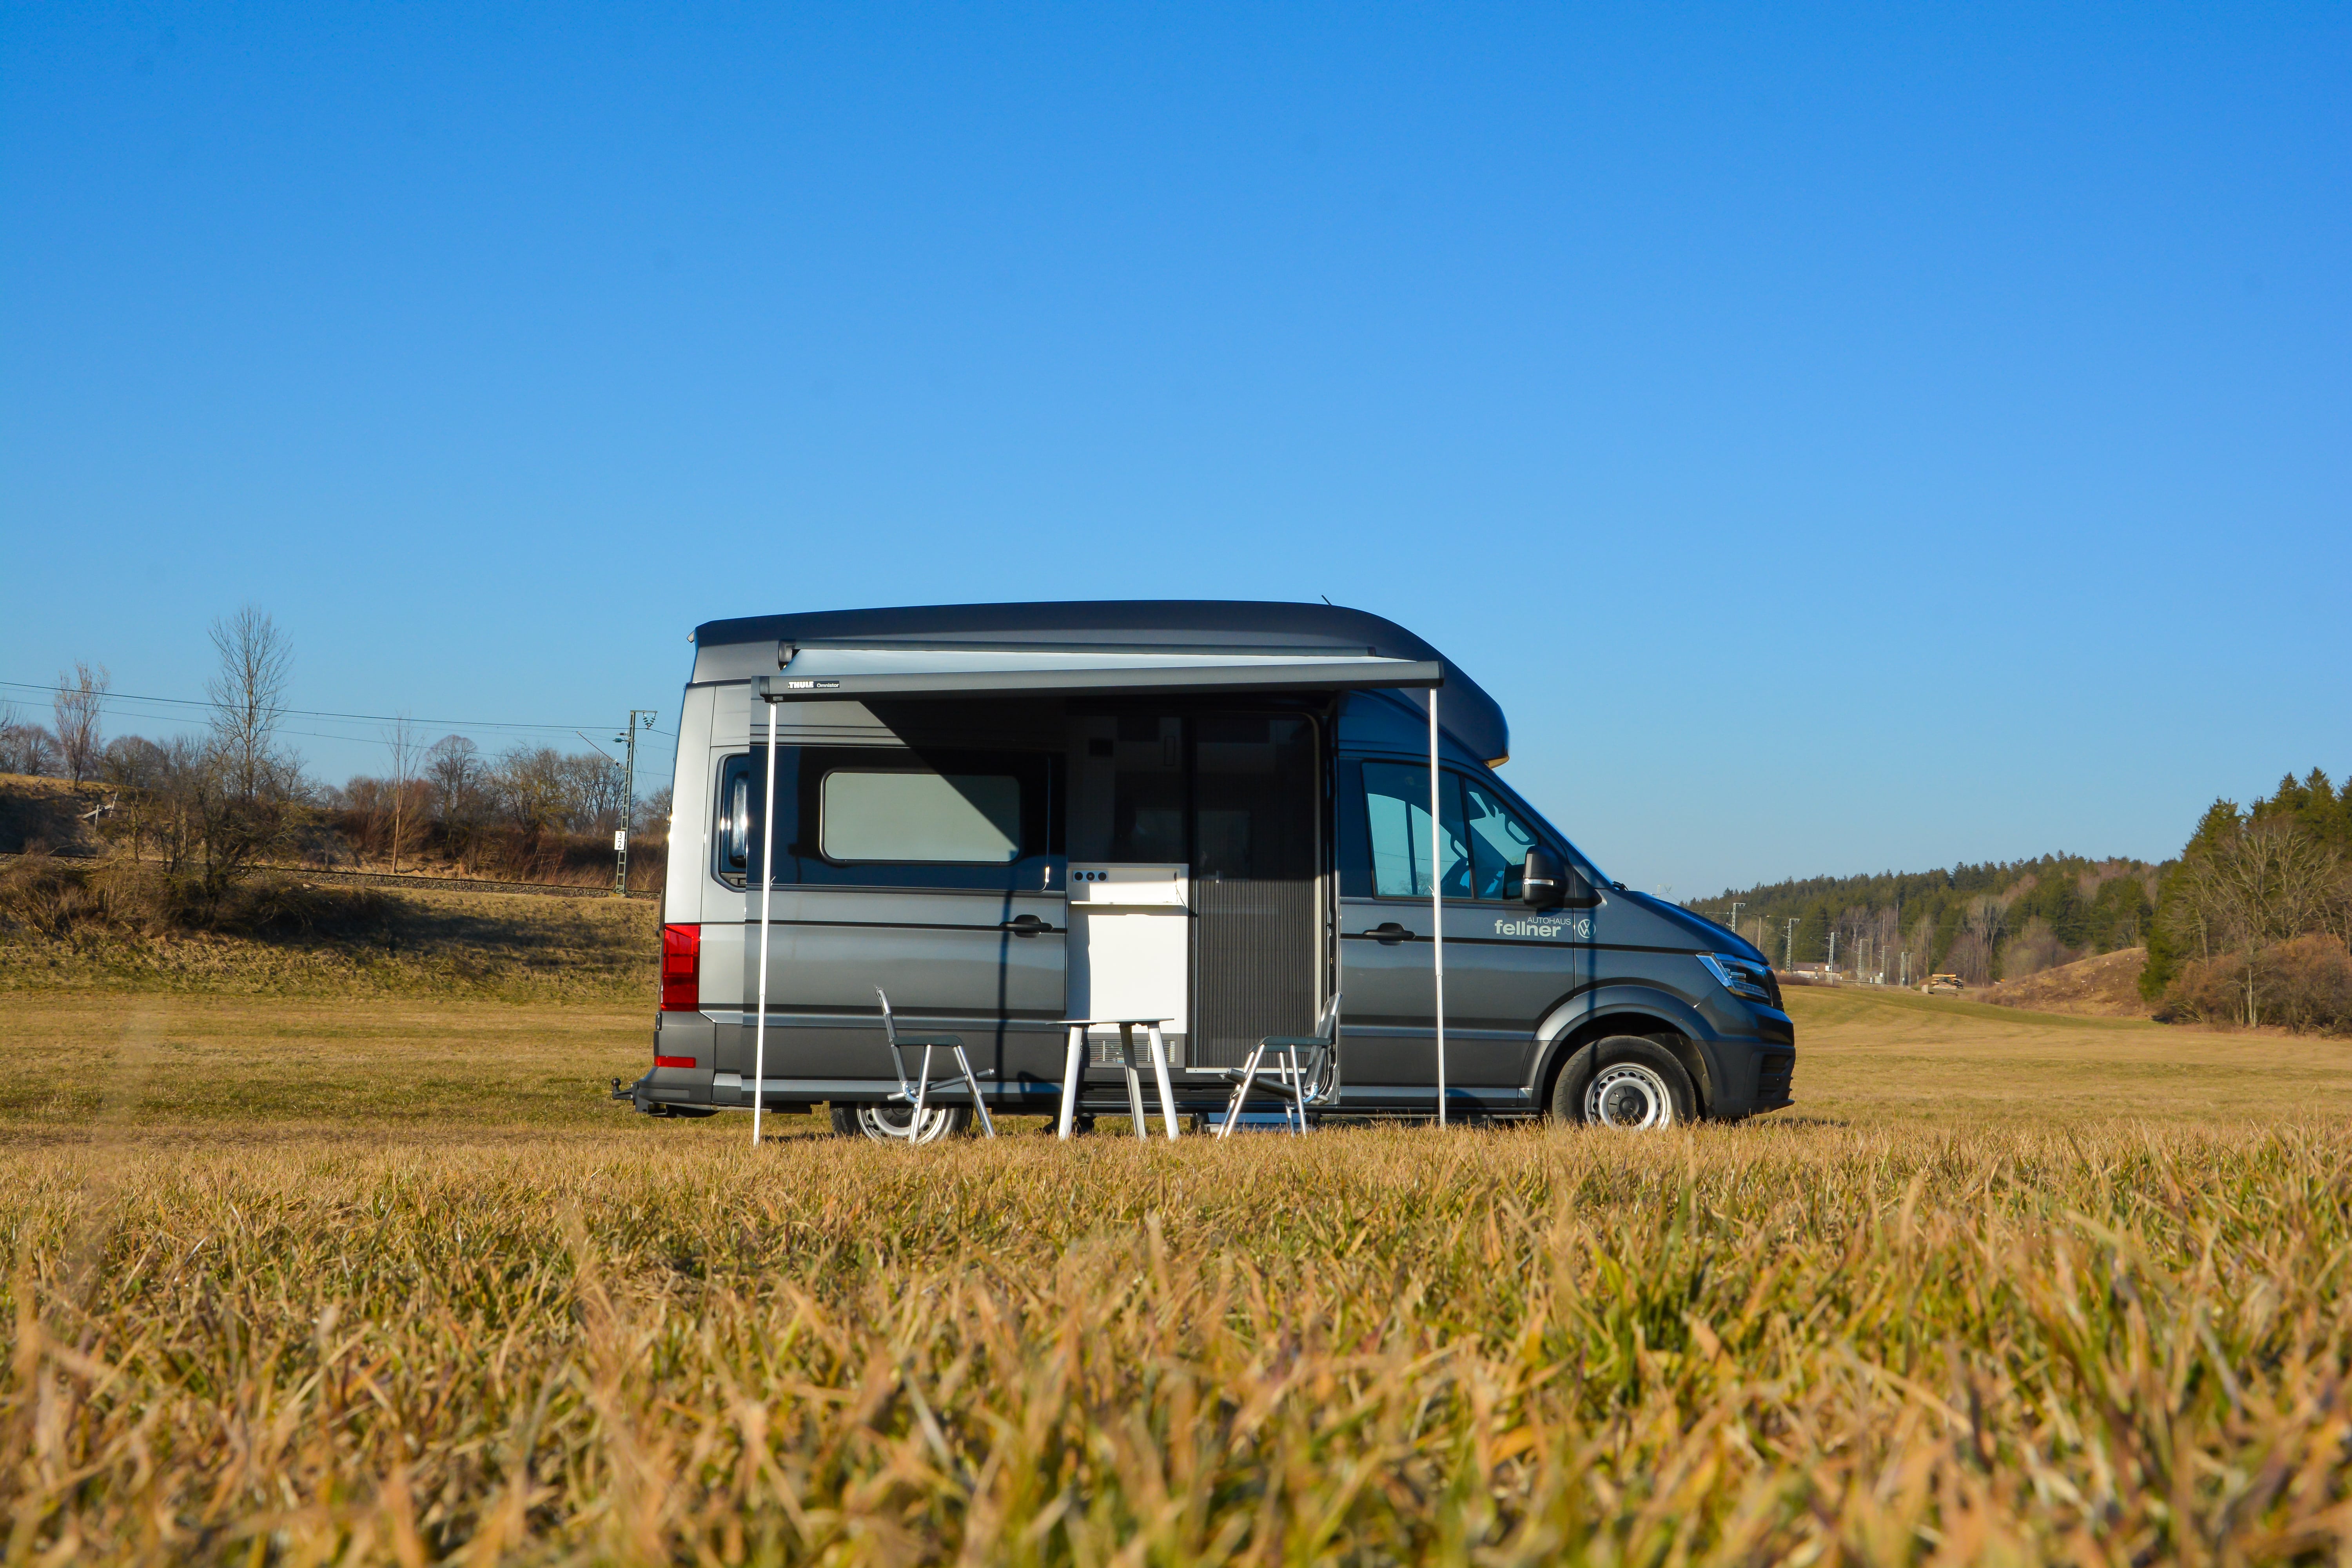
<point x="1633" y="1083"/>
<point x="897" y="1124"/>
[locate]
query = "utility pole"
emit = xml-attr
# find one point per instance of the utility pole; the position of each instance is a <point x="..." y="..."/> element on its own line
<point x="1734" y="921"/>
<point x="1789" y="949"/>
<point x="628" y="799"/>
<point x="1832" y="949"/>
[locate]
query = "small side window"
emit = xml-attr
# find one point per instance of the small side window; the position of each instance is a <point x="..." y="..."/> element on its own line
<point x="734" y="836"/>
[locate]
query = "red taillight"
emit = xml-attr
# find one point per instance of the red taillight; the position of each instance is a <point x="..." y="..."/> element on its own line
<point x="681" y="969"/>
<point x="673" y="1061"/>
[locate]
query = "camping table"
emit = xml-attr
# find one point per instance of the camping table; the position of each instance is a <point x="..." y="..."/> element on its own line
<point x="1076" y="1068"/>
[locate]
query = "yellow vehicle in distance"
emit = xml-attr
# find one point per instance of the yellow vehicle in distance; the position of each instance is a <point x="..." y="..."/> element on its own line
<point x="1948" y="985"/>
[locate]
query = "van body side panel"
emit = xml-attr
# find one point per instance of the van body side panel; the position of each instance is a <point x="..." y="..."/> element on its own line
<point x="689" y="1037"/>
<point x="986" y="962"/>
<point x="688" y="875"/>
<point x="722" y="903"/>
<point x="951" y="962"/>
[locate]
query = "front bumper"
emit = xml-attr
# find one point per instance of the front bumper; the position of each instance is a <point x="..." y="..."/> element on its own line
<point x="1751" y="1071"/>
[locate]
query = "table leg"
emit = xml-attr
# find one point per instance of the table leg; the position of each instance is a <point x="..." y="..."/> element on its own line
<point x="1072" y="1070"/>
<point x="1134" y="1084"/>
<point x="1160" y="1072"/>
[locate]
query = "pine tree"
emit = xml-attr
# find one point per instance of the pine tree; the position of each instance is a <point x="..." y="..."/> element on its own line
<point x="2165" y="956"/>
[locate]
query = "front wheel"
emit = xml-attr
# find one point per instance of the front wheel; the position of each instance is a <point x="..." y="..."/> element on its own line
<point x="1633" y="1083"/>
<point x="897" y="1124"/>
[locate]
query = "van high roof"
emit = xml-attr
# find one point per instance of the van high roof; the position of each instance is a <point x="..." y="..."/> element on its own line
<point x="749" y="647"/>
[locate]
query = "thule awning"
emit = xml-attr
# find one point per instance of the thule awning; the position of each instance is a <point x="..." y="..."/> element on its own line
<point x="842" y="672"/>
<point x="858" y="674"/>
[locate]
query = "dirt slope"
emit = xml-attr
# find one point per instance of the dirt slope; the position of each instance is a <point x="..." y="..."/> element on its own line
<point x="46" y="811"/>
<point x="2106" y="986"/>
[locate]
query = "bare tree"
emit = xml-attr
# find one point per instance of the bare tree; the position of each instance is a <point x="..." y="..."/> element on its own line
<point x="453" y="773"/>
<point x="24" y="748"/>
<point x="652" y="816"/>
<point x="248" y="697"/>
<point x="138" y="767"/>
<point x="77" y="708"/>
<point x="1987" y="921"/>
<point x="233" y="800"/>
<point x="407" y="756"/>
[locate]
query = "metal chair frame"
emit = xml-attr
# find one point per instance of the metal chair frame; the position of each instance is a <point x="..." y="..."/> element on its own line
<point x="1297" y="1078"/>
<point x="917" y="1092"/>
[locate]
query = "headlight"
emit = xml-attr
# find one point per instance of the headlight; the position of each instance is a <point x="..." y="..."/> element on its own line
<point x="1740" y="976"/>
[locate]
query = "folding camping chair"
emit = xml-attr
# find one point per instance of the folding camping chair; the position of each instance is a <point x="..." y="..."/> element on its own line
<point x="1297" y="1075"/>
<point x="916" y="1092"/>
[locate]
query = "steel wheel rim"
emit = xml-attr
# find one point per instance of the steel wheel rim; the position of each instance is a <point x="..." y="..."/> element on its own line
<point x="897" y="1124"/>
<point x="1629" y="1094"/>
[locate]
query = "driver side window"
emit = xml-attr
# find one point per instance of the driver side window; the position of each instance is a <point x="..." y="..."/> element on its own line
<point x="1499" y="843"/>
<point x="1482" y="844"/>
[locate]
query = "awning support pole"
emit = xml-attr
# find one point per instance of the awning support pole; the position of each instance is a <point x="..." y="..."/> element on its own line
<point x="767" y="897"/>
<point x="1437" y="902"/>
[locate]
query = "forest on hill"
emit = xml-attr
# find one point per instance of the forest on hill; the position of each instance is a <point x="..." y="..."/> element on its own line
<point x="2252" y="923"/>
<point x="1996" y="919"/>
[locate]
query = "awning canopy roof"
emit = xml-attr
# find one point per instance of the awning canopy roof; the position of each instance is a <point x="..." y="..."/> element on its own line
<point x="1227" y="630"/>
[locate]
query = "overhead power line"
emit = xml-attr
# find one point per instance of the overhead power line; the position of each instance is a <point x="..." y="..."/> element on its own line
<point x="112" y="696"/>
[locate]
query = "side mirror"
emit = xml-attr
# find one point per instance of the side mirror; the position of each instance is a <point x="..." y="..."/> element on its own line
<point x="1546" y="884"/>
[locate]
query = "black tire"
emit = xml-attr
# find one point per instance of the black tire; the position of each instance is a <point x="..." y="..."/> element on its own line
<point x="889" y="1123"/>
<point x="1624" y="1081"/>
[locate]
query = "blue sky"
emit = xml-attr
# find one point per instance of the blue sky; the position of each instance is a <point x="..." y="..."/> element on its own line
<point x="1842" y="438"/>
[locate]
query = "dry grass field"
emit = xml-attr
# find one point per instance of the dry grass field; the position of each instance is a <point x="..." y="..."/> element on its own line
<point x="374" y="1279"/>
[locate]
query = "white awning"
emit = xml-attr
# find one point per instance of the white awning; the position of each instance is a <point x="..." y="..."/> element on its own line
<point x="839" y="673"/>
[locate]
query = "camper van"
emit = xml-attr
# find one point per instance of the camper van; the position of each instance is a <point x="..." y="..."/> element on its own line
<point x="1216" y="814"/>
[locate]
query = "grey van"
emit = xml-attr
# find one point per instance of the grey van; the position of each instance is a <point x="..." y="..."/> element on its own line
<point x="941" y="776"/>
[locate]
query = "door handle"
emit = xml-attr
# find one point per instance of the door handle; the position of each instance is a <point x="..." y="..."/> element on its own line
<point x="1026" y="925"/>
<point x="1389" y="934"/>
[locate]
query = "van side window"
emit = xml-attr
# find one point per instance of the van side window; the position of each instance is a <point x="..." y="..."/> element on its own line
<point x="917" y="816"/>
<point x="733" y="837"/>
<point x="903" y="814"/>
<point x="1396" y="807"/>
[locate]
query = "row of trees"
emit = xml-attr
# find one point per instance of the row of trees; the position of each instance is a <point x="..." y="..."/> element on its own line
<point x="2254" y="922"/>
<point x="2251" y="924"/>
<point x="75" y="749"/>
<point x="452" y="801"/>
<point x="1983" y="923"/>
<point x="209" y="807"/>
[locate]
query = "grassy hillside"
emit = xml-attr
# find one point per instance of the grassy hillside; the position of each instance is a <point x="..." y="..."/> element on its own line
<point x="46" y="811"/>
<point x="2106" y="986"/>
<point x="366" y="942"/>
